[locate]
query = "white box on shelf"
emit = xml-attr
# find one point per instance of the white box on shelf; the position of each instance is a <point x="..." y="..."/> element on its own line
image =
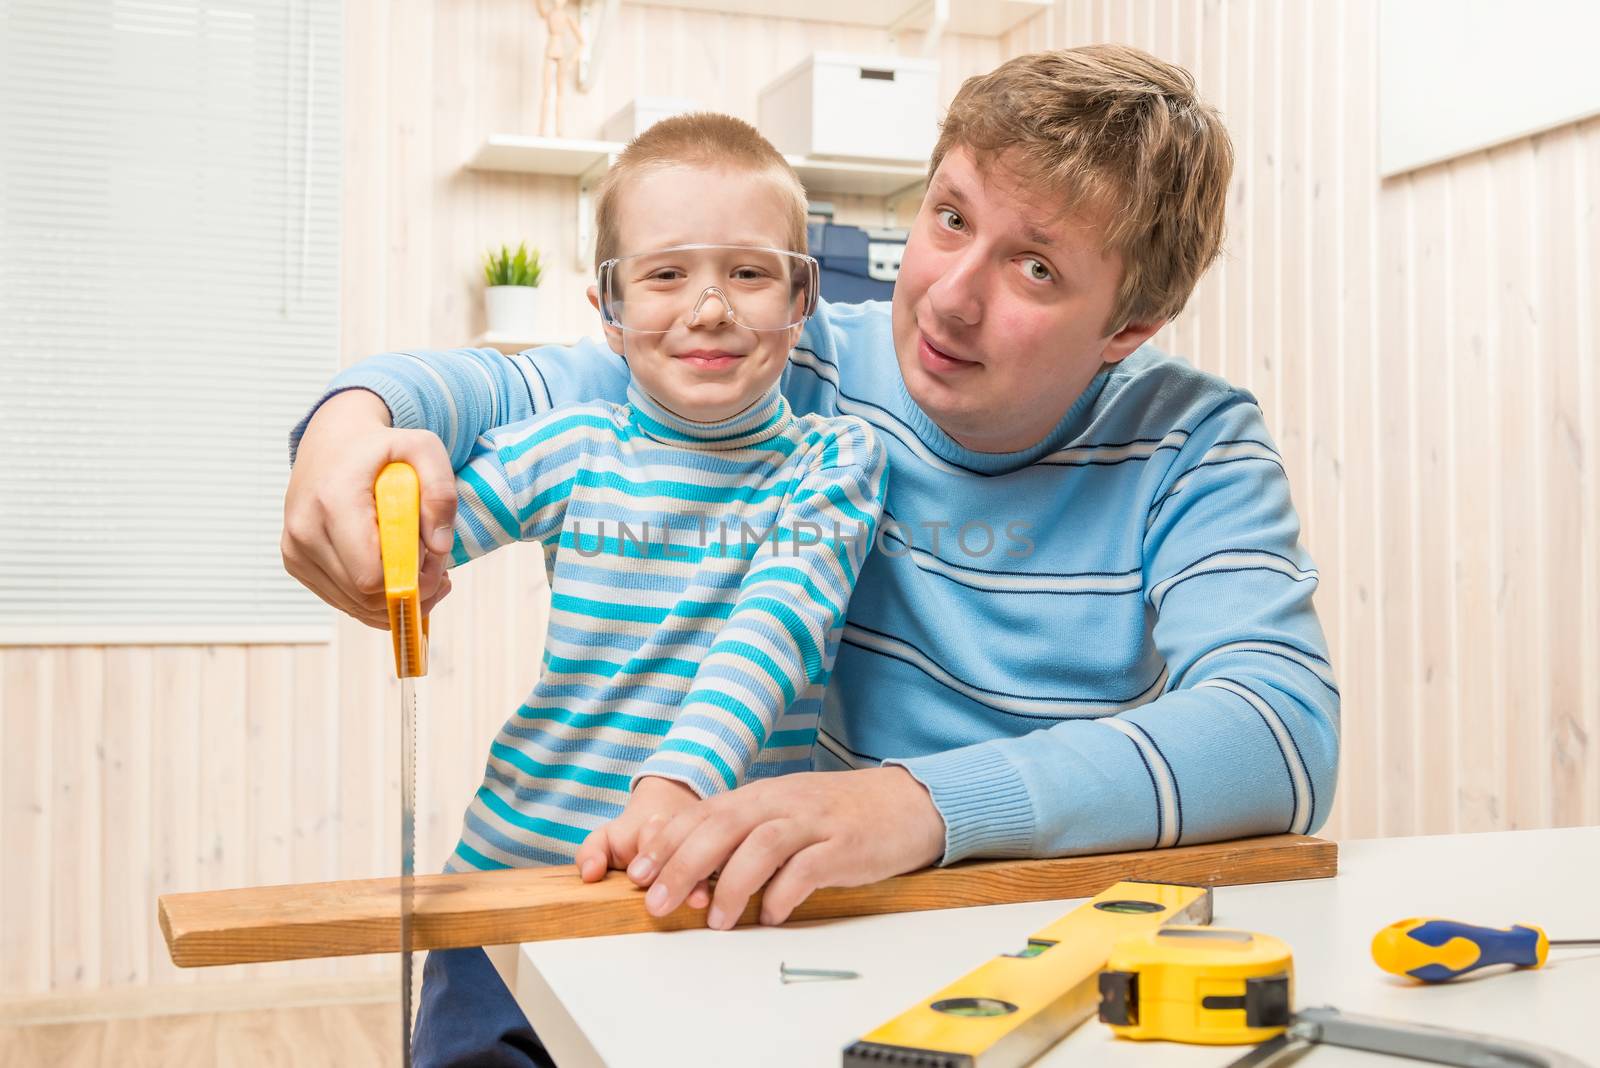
<point x="643" y="112"/>
<point x="843" y="106"/>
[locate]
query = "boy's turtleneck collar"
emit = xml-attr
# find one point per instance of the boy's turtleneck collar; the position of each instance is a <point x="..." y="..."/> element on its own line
<point x="765" y="418"/>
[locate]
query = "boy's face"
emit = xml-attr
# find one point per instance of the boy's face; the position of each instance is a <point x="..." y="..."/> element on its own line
<point x="705" y="367"/>
<point x="1000" y="307"/>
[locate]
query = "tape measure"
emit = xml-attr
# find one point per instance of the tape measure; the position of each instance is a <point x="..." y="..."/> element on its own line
<point x="1206" y="985"/>
<point x="1011" y="1009"/>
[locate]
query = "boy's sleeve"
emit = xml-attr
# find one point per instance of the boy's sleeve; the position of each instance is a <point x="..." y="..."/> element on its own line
<point x="1243" y="741"/>
<point x="517" y="480"/>
<point x="784" y="625"/>
<point x="461" y="394"/>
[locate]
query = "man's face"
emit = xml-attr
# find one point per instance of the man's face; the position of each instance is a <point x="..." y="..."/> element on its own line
<point x="1001" y="305"/>
<point x="706" y="367"/>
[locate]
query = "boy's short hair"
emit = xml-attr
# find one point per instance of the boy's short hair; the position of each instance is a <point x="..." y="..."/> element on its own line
<point x="1117" y="130"/>
<point x="700" y="138"/>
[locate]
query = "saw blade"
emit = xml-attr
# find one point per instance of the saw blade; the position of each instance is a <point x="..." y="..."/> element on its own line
<point x="408" y="850"/>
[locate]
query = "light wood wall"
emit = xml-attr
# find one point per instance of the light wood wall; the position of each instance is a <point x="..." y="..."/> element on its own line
<point x="1425" y="350"/>
<point x="127" y="772"/>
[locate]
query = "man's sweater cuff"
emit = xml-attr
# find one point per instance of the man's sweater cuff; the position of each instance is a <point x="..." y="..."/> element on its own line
<point x="403" y="411"/>
<point x="983" y="801"/>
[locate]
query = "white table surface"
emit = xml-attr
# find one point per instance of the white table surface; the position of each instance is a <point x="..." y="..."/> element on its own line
<point x="711" y="998"/>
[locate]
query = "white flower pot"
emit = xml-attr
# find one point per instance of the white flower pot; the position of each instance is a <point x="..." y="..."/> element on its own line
<point x="514" y="311"/>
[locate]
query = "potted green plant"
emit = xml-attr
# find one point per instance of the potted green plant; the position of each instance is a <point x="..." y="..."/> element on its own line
<point x="512" y="299"/>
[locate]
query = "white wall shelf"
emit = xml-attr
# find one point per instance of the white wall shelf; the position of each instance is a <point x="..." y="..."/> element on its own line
<point x="579" y="158"/>
<point x="986" y="18"/>
<point x="543" y="155"/>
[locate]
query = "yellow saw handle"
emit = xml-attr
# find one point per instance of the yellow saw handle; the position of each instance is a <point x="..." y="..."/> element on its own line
<point x="398" y="496"/>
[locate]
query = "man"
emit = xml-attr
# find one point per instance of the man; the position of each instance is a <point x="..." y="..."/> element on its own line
<point x="1087" y="624"/>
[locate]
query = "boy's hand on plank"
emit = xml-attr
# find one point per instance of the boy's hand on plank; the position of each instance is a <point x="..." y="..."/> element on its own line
<point x="330" y="533"/>
<point x="792" y="834"/>
<point x="654" y="802"/>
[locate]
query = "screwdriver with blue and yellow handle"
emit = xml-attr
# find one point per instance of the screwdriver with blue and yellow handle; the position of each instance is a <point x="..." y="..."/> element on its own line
<point x="1437" y="951"/>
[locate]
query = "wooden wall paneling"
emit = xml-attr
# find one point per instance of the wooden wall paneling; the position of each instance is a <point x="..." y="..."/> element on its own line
<point x="25" y="764"/>
<point x="1587" y="278"/>
<point x="1396" y="708"/>
<point x="1030" y="35"/>
<point x="126" y="902"/>
<point x="1264" y="149"/>
<point x="1432" y="549"/>
<point x="364" y="167"/>
<point x="1174" y="25"/>
<point x="78" y="749"/>
<point x="174" y="758"/>
<point x="269" y="724"/>
<point x="1359" y="662"/>
<point x="1326" y="360"/>
<point x="315" y="770"/>
<point x="1569" y="488"/>
<point x="1469" y="334"/>
<point x="1233" y="360"/>
<point x="411" y="180"/>
<point x="223" y="797"/>
<point x="1520" y="604"/>
<point x="464" y="222"/>
<point x="1495" y="773"/>
<point x="1139" y="30"/>
<point x="1292" y="425"/>
<point x="359" y="734"/>
<point x="455" y="319"/>
<point x="1079" y="22"/>
<point x="1208" y="305"/>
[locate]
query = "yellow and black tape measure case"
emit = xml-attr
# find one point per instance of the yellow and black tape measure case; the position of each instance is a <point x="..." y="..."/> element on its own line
<point x="1207" y="985"/>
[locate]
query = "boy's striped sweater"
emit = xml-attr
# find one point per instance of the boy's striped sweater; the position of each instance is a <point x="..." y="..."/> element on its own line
<point x="699" y="574"/>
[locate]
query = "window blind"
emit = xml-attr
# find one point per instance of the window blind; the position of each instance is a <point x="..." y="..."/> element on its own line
<point x="169" y="233"/>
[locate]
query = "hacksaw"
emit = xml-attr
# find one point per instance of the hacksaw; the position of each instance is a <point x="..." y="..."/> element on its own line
<point x="398" y="497"/>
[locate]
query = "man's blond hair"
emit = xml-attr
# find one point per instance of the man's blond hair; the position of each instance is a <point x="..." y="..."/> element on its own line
<point x="699" y="139"/>
<point x="1118" y="131"/>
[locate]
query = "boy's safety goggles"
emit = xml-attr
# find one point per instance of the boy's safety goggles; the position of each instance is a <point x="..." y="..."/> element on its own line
<point x="756" y="288"/>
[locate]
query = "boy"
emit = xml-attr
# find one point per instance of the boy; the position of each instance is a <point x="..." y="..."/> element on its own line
<point x="702" y="541"/>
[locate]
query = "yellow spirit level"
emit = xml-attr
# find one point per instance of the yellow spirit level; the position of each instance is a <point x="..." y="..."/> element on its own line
<point x="1207" y="985"/>
<point x="1009" y="1010"/>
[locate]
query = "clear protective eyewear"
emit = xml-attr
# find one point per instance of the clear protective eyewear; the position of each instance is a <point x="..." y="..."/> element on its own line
<point x="756" y="288"/>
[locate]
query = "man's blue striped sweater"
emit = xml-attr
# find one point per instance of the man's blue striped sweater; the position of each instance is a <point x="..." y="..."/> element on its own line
<point x="1105" y="641"/>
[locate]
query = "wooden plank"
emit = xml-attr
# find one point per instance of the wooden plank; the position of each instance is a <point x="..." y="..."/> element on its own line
<point x="535" y="904"/>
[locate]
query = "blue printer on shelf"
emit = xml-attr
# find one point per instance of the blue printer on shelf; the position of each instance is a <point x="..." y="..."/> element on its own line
<point x="857" y="264"/>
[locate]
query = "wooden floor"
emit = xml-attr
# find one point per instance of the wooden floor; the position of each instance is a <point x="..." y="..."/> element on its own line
<point x="310" y="1037"/>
